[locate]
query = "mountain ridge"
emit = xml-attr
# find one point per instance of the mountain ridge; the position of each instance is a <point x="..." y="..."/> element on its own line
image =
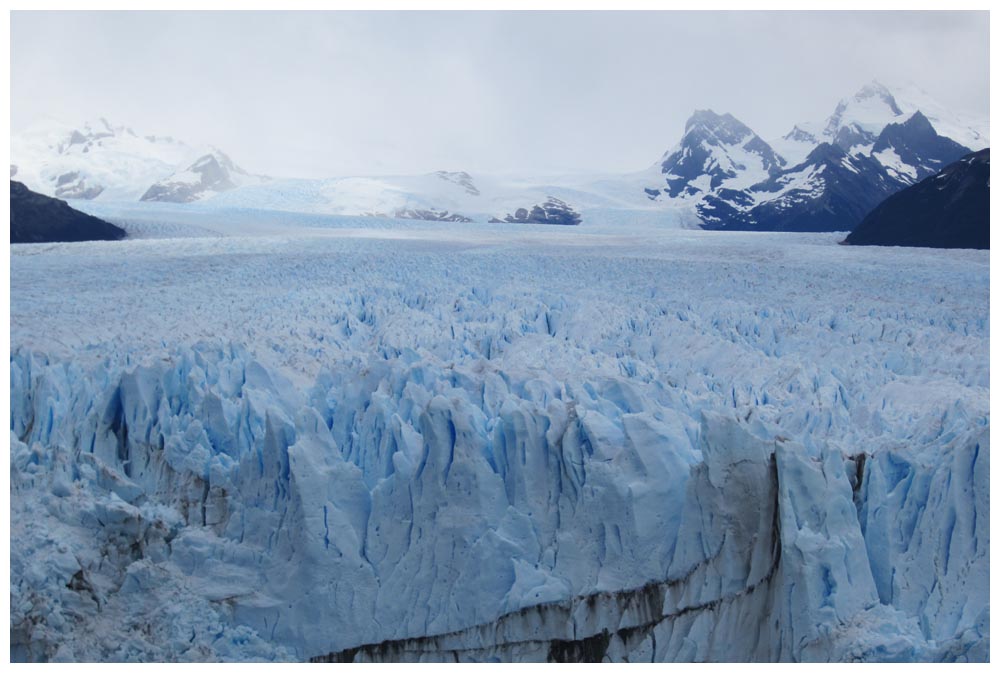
<point x="720" y="173"/>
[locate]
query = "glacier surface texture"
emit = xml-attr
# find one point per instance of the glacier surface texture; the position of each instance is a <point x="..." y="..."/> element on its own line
<point x="470" y="443"/>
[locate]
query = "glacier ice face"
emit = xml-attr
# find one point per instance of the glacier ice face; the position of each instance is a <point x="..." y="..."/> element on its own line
<point x="690" y="448"/>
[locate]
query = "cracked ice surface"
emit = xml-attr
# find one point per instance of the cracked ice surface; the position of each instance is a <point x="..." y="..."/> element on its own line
<point x="466" y="443"/>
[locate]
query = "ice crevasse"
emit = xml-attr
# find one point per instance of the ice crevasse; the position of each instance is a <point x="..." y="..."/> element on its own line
<point x="200" y="506"/>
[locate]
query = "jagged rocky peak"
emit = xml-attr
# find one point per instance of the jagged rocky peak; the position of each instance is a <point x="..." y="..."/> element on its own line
<point x="717" y="150"/>
<point x="829" y="190"/>
<point x="916" y="126"/>
<point x="211" y="173"/>
<point x="875" y="90"/>
<point x="826" y="152"/>
<point x="853" y="126"/>
<point x="873" y="98"/>
<point x="913" y="150"/>
<point x="460" y="178"/>
<point x="917" y="123"/>
<point x="724" y="128"/>
<point x="800" y="135"/>
<point x="857" y="120"/>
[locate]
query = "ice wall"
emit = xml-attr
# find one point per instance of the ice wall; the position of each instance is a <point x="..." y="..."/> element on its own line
<point x="200" y="506"/>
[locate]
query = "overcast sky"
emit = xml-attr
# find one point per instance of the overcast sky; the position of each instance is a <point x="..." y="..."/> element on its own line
<point x="324" y="94"/>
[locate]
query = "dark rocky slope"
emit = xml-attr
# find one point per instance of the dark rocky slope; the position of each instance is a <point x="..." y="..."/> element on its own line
<point x="35" y="218"/>
<point x="947" y="210"/>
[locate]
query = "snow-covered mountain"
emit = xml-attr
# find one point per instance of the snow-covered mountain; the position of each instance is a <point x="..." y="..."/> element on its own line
<point x="99" y="160"/>
<point x="970" y="130"/>
<point x="827" y="190"/>
<point x="108" y="163"/>
<point x="441" y="195"/>
<point x="913" y="150"/>
<point x="857" y="121"/>
<point x="716" y="152"/>
<point x="818" y="177"/>
<point x="210" y="174"/>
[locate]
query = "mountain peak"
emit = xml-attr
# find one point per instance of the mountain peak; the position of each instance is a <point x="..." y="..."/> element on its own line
<point x="877" y="90"/>
<point x="710" y="128"/>
<point x="798" y="134"/>
<point x="210" y="174"/>
<point x="716" y="150"/>
<point x="859" y="119"/>
<point x="711" y="120"/>
<point x="826" y="152"/>
<point x="918" y="121"/>
<point x="913" y="149"/>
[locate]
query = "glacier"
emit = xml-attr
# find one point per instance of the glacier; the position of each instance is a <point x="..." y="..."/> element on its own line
<point x="462" y="442"/>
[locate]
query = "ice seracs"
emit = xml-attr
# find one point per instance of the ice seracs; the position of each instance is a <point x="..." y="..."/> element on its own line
<point x="409" y="440"/>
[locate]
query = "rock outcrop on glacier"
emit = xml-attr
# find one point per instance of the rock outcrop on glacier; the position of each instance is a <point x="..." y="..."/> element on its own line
<point x="551" y="211"/>
<point x="427" y="215"/>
